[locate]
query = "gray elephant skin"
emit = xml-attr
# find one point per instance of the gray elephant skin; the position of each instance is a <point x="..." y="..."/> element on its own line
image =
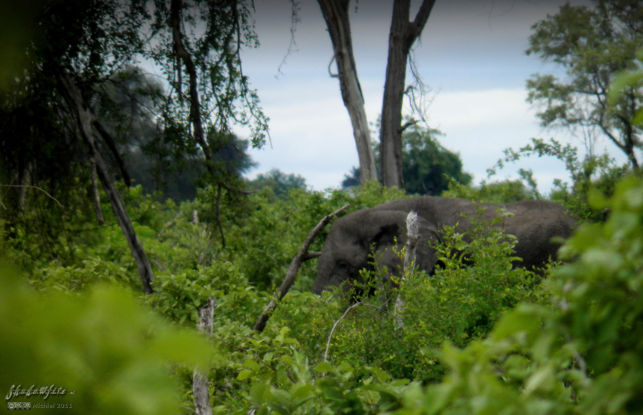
<point x="353" y="237"/>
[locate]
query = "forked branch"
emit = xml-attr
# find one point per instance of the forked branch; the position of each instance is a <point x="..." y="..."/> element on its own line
<point x="291" y="274"/>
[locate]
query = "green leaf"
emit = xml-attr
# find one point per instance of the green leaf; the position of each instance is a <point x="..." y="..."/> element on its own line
<point x="323" y="367"/>
<point x="245" y="374"/>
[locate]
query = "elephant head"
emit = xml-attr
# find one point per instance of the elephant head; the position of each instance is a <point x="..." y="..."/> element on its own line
<point x="367" y="235"/>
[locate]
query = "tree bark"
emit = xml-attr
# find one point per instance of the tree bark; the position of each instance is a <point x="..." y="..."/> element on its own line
<point x="85" y="119"/>
<point x="402" y="35"/>
<point x="291" y="274"/>
<point x="95" y="194"/>
<point x="200" y="388"/>
<point x="111" y="144"/>
<point x="335" y="14"/>
<point x="412" y="238"/>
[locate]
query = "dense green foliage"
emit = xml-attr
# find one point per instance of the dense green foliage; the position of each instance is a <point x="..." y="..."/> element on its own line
<point x="507" y="191"/>
<point x="514" y="342"/>
<point x="102" y="352"/>
<point x="591" y="172"/>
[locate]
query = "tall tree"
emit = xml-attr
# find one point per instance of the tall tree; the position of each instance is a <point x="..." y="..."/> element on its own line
<point x="77" y="45"/>
<point x="338" y="22"/>
<point x="591" y="44"/>
<point x="402" y="35"/>
<point x="205" y="39"/>
<point x="73" y="46"/>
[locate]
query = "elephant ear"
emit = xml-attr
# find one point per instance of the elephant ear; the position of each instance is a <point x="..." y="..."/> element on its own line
<point x="383" y="227"/>
<point x="389" y="228"/>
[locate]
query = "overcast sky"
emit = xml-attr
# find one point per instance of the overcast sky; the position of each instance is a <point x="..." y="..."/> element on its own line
<point x="471" y="56"/>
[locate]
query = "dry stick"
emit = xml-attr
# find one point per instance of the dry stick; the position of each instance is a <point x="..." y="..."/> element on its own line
<point x="96" y="195"/>
<point x="200" y="380"/>
<point x="413" y="234"/>
<point x="29" y="186"/>
<point x="291" y="274"/>
<point x="330" y="335"/>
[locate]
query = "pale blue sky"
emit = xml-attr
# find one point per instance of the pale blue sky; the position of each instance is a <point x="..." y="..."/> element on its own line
<point x="471" y="56"/>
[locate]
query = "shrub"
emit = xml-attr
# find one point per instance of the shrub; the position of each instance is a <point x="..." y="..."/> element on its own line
<point x="103" y="351"/>
<point x="580" y="355"/>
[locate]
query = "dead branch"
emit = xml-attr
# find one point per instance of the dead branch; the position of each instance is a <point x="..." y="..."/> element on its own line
<point x="30" y="186"/>
<point x="199" y="380"/>
<point x="96" y="195"/>
<point x="180" y="49"/>
<point x="413" y="235"/>
<point x="330" y="336"/>
<point x="111" y="144"/>
<point x="311" y="255"/>
<point x="85" y="117"/>
<point x="291" y="274"/>
<point x="173" y="221"/>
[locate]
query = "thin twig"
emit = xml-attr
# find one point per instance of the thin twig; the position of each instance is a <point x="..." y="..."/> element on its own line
<point x="218" y="212"/>
<point x="330" y="336"/>
<point x="34" y="187"/>
<point x="312" y="255"/>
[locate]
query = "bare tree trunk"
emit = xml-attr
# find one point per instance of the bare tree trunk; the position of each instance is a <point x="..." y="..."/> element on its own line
<point x="291" y="274"/>
<point x="23" y="188"/>
<point x="402" y="35"/>
<point x="412" y="238"/>
<point x="335" y="14"/>
<point x="95" y="195"/>
<point x="200" y="388"/>
<point x="111" y="144"/>
<point x="85" y="119"/>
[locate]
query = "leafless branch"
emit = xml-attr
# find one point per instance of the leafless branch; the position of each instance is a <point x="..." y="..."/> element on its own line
<point x="332" y="331"/>
<point x="111" y="144"/>
<point x="291" y="274"/>
<point x="422" y="16"/>
<point x="30" y="186"/>
<point x="182" y="53"/>
<point x="330" y="68"/>
<point x="218" y="213"/>
<point x="311" y="255"/>
<point x="200" y="380"/>
<point x="292" y="45"/>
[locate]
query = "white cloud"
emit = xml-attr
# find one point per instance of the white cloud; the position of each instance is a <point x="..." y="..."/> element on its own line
<point x="312" y="136"/>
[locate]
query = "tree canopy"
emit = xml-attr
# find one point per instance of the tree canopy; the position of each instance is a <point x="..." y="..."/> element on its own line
<point x="74" y="103"/>
<point x="591" y="45"/>
<point x="281" y="183"/>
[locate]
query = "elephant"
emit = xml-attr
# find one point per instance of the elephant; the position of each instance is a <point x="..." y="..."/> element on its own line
<point x="353" y="237"/>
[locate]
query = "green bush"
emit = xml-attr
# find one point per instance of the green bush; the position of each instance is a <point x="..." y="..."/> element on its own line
<point x="507" y="191"/>
<point x="583" y="353"/>
<point x="459" y="303"/>
<point x="179" y="296"/>
<point x="107" y="353"/>
<point x="268" y="231"/>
